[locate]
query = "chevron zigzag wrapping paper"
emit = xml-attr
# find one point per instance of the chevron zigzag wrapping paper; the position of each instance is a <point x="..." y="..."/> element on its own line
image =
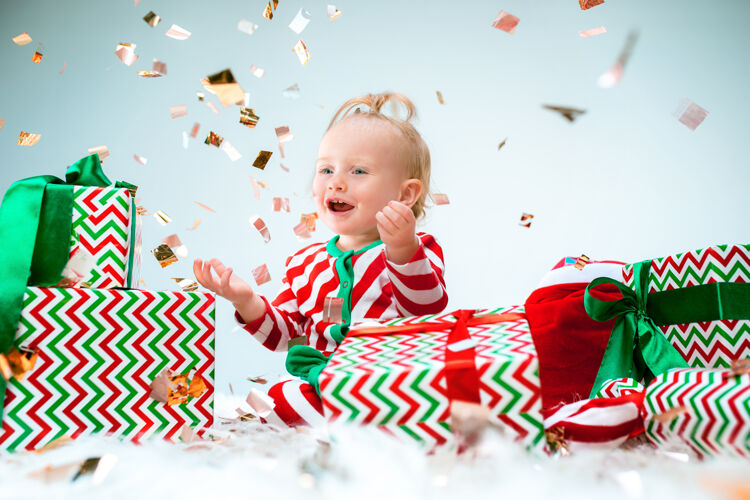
<point x="710" y="344"/>
<point x="106" y="225"/>
<point x="98" y="352"/>
<point x="397" y="383"/>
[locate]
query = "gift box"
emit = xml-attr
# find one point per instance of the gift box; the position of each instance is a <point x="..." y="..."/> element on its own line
<point x="98" y="353"/>
<point x="720" y="335"/>
<point x="403" y="376"/>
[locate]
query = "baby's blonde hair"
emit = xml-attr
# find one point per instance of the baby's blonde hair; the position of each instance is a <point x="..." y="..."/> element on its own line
<point x="419" y="159"/>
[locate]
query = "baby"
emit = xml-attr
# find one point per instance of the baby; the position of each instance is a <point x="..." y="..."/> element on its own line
<point x="370" y="186"/>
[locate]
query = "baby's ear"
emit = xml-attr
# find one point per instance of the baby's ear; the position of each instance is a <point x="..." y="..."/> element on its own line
<point x="411" y="189"/>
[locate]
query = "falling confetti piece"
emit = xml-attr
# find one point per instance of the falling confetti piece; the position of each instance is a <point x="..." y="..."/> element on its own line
<point x="256" y="189"/>
<point x="65" y="65"/>
<point x="739" y="367"/>
<point x="260" y="402"/>
<point x="333" y="12"/>
<point x="102" y="151"/>
<point x="280" y="204"/>
<point x="690" y="114"/>
<point x="213" y="139"/>
<point x="164" y="255"/>
<point x="281" y="150"/>
<point x="502" y="143"/>
<point x="172" y="241"/>
<point x="291" y="92"/>
<point x="569" y="114"/>
<point x="200" y="96"/>
<point x="581" y="262"/>
<point x="126" y="53"/>
<point x="525" y="220"/>
<point x="258" y="223"/>
<point x="309" y="219"/>
<point x="262" y="159"/>
<point x="593" y="32"/>
<point x="186" y="285"/>
<point x="439" y="97"/>
<point x="285" y="169"/>
<point x="230" y="150"/>
<point x="162" y="218"/>
<point x="302" y="53"/>
<point x="184" y="139"/>
<point x="178" y="110"/>
<point x="28" y="139"/>
<point x="2" y="122"/>
<point x="440" y="199"/>
<point x="212" y="107"/>
<point x="332" y="308"/>
<point x="224" y="85"/>
<point x="248" y="117"/>
<point x="194" y="130"/>
<point x="261" y="275"/>
<point x="246" y="26"/>
<point x="283" y="134"/>
<point x="204" y="206"/>
<point x="22" y="39"/>
<point x="195" y="225"/>
<point x="258" y="72"/>
<point x="506" y="22"/>
<point x="38" y="54"/>
<point x="177" y="33"/>
<point x="614" y="74"/>
<point x="587" y="4"/>
<point x="17" y="363"/>
<point x="258" y="380"/>
<point x="670" y="414"/>
<point x="300" y="21"/>
<point x="268" y="11"/>
<point x="301" y="231"/>
<point x="158" y="69"/>
<point x="152" y="19"/>
<point x="140" y="159"/>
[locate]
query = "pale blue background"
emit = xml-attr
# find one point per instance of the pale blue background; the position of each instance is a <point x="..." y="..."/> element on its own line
<point x="626" y="181"/>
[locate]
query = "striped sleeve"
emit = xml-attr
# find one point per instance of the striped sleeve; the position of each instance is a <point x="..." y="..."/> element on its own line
<point x="418" y="285"/>
<point x="282" y="320"/>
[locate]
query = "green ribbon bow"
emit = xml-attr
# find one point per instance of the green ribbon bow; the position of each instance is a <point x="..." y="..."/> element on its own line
<point x="35" y="243"/>
<point x="637" y="348"/>
<point x="306" y="363"/>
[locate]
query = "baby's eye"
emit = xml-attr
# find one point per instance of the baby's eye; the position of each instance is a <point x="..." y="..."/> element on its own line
<point x="359" y="171"/>
<point x="325" y="170"/>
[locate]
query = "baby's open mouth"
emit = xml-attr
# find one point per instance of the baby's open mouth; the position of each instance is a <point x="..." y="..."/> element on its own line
<point x="338" y="206"/>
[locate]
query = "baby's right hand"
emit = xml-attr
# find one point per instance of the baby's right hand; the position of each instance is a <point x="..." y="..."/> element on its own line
<point x="230" y="286"/>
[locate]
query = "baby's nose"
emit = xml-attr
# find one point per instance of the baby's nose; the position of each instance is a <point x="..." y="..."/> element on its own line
<point x="336" y="184"/>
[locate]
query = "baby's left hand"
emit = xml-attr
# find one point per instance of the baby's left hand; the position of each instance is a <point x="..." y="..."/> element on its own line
<point x="397" y="228"/>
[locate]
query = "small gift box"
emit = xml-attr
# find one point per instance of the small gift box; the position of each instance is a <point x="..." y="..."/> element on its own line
<point x="405" y="376"/>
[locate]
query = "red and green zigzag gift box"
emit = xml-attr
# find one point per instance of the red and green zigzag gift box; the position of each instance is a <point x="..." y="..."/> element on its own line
<point x="402" y="375"/>
<point x="97" y="353"/>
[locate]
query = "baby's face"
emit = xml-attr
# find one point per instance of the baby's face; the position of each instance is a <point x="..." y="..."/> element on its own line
<point x="361" y="166"/>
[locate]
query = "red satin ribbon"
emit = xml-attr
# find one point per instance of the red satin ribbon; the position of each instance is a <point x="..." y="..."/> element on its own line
<point x="461" y="377"/>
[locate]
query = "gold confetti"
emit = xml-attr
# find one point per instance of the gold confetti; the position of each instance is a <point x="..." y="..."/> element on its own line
<point x="17" y="362"/>
<point x="309" y="219"/>
<point x="300" y="21"/>
<point x="186" y="285"/>
<point x="261" y="274"/>
<point x="280" y="204"/>
<point x="283" y="134"/>
<point x="302" y="53"/>
<point x="38" y="53"/>
<point x="262" y="159"/>
<point x="502" y="143"/>
<point x="140" y="159"/>
<point x="439" y="97"/>
<point x="204" y="206"/>
<point x="246" y="26"/>
<point x="569" y="114"/>
<point x="164" y="255"/>
<point x="141" y="211"/>
<point x="200" y="96"/>
<point x="102" y="151"/>
<point x="197" y="386"/>
<point x="248" y="117"/>
<point x="162" y="218"/>
<point x="194" y="130"/>
<point x="505" y="22"/>
<point x="258" y="380"/>
<point x="268" y="11"/>
<point x="224" y="85"/>
<point x="440" y="199"/>
<point x="556" y="439"/>
<point x="256" y="71"/>
<point x="581" y="262"/>
<point x="195" y="225"/>
<point x="172" y="389"/>
<point x="258" y="223"/>
<point x="28" y="139"/>
<point x="690" y="114"/>
<point x="152" y="19"/>
<point x="178" y="33"/>
<point x="525" y="220"/>
<point x="670" y="414"/>
<point x="22" y="39"/>
<point x="587" y="4"/>
<point x="178" y="110"/>
<point x="126" y="53"/>
<point x="332" y="309"/>
<point x="592" y="32"/>
<point x="333" y="12"/>
<point x="158" y="69"/>
<point x="213" y="139"/>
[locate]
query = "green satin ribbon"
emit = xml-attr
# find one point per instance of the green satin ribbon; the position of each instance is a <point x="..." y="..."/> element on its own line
<point x="637" y="348"/>
<point x="35" y="229"/>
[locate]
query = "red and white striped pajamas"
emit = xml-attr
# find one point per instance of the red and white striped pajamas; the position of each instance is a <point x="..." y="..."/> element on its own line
<point x="373" y="288"/>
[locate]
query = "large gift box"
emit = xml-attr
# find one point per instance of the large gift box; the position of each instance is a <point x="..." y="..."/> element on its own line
<point x="98" y="353"/>
<point x="403" y="375"/>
